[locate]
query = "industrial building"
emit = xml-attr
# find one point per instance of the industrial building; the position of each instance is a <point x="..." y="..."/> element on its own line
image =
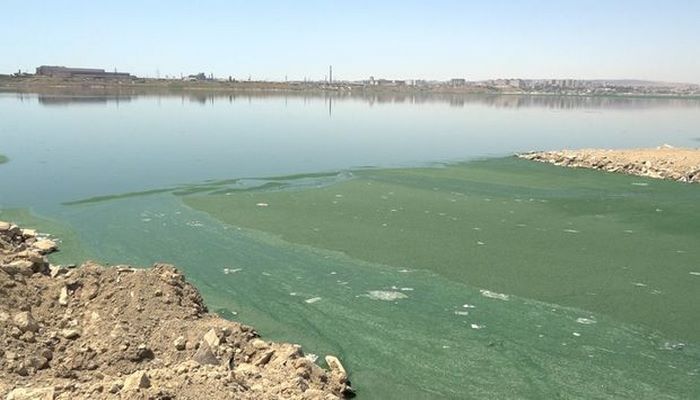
<point x="91" y="73"/>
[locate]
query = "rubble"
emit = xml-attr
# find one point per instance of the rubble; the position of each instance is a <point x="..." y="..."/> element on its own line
<point x="664" y="162"/>
<point x="128" y="333"/>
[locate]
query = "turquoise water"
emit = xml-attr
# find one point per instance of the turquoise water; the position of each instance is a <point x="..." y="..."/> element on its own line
<point x="403" y="329"/>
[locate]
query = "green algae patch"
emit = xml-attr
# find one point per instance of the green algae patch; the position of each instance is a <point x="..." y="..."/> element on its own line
<point x="3" y="159"/>
<point x="619" y="245"/>
<point x="71" y="250"/>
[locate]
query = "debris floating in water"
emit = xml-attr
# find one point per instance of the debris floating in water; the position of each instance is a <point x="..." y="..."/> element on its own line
<point x="494" y="295"/>
<point x="385" y="295"/>
<point x="576" y="334"/>
<point x="586" y="321"/>
<point x="476" y="326"/>
<point x="262" y="205"/>
<point x="232" y="270"/>
<point x="468" y="306"/>
<point x="312" y="300"/>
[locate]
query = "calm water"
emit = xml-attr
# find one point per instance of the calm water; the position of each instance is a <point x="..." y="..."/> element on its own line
<point x="385" y="266"/>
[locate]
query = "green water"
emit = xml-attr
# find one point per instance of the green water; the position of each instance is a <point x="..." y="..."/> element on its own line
<point x="619" y="245"/>
<point x="384" y="266"/>
<point x="307" y="245"/>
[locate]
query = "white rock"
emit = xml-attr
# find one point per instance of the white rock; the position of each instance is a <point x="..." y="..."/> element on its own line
<point x="137" y="380"/>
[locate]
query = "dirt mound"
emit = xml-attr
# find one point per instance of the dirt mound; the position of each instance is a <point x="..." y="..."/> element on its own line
<point x="665" y="162"/>
<point x="118" y="332"/>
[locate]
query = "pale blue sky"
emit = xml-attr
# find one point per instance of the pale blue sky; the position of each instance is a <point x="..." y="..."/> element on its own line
<point x="439" y="39"/>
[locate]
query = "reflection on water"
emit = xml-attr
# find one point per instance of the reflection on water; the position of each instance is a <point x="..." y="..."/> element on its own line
<point x="92" y="96"/>
<point x="50" y="100"/>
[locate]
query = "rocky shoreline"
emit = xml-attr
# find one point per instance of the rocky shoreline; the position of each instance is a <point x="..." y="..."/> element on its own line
<point x="125" y="333"/>
<point x="665" y="162"/>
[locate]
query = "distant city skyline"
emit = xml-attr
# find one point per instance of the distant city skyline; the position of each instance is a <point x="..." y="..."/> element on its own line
<point x="437" y="40"/>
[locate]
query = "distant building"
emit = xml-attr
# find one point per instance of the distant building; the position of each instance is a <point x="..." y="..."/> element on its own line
<point x="198" y="77"/>
<point x="458" y="82"/>
<point x="93" y="73"/>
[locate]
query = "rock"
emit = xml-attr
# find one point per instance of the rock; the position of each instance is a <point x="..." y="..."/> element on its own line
<point x="31" y="394"/>
<point x="205" y="356"/>
<point x="212" y="338"/>
<point x="23" y="267"/>
<point x="264" y="358"/>
<point x="5" y="226"/>
<point x="25" y="322"/>
<point x="28" y="233"/>
<point x="259" y="344"/>
<point x="180" y="343"/>
<point x="63" y="297"/>
<point x="4" y="316"/>
<point x="116" y="386"/>
<point x="137" y="380"/>
<point x="45" y="246"/>
<point x="70" y="334"/>
<point x="56" y="270"/>
<point x="335" y="365"/>
<point x="37" y="362"/>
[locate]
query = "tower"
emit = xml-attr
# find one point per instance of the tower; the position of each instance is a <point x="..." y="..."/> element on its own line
<point x="330" y="74"/>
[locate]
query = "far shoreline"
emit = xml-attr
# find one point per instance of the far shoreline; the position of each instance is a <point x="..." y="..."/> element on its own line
<point x="158" y="86"/>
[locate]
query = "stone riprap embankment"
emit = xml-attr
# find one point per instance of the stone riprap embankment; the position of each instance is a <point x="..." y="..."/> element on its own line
<point x="665" y="162"/>
<point x="95" y="332"/>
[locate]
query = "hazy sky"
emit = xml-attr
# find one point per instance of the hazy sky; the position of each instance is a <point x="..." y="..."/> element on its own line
<point x="438" y="39"/>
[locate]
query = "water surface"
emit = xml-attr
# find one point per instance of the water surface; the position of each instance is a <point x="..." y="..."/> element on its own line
<point x="395" y="232"/>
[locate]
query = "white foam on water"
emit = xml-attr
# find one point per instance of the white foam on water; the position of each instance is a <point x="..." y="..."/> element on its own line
<point x="406" y="289"/>
<point x="586" y="321"/>
<point x="312" y="300"/>
<point x="639" y="284"/>
<point x="576" y="334"/>
<point x="262" y="204"/>
<point x="640" y="184"/>
<point x="476" y="326"/>
<point x="571" y="231"/>
<point x="462" y="313"/>
<point x="267" y="274"/>
<point x="468" y="306"/>
<point x="480" y="243"/>
<point x="694" y="273"/>
<point x="385" y="295"/>
<point x="494" y="295"/>
<point x="311" y="357"/>
<point x="404" y="270"/>
<point x="232" y="270"/>
<point x="293" y="293"/>
<point x="146" y="219"/>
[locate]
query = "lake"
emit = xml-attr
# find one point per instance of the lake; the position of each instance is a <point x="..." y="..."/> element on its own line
<point x="397" y="232"/>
